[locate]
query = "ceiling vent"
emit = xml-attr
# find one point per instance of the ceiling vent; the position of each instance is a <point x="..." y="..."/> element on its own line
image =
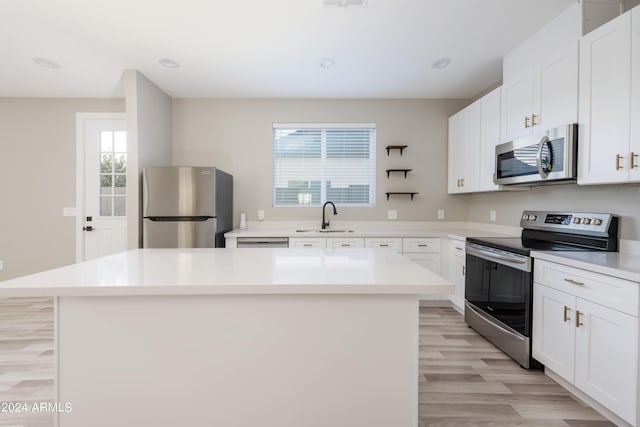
<point x="344" y="3"/>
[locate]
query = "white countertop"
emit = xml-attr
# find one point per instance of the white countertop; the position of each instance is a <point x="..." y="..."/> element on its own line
<point x="234" y="271"/>
<point x="458" y="233"/>
<point x="616" y="264"/>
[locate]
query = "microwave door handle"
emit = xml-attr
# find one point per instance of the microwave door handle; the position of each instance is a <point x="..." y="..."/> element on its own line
<point x="541" y="171"/>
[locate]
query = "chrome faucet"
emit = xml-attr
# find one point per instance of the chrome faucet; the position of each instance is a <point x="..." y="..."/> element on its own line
<point x="325" y="224"/>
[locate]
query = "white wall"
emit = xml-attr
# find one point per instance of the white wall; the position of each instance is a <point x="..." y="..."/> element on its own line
<point x="236" y="136"/>
<point x="149" y="141"/>
<point x="37" y="179"/>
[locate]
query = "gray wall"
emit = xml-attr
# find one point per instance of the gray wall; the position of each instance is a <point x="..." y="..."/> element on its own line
<point x="236" y="136"/>
<point x="37" y="179"/>
<point x="630" y="4"/>
<point x="148" y="142"/>
<point x="623" y="200"/>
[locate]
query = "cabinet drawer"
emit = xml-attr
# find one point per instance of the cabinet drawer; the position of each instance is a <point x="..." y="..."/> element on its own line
<point x="457" y="248"/>
<point x="607" y="291"/>
<point x="307" y="243"/>
<point x="350" y="242"/>
<point x="421" y="244"/>
<point x="395" y="244"/>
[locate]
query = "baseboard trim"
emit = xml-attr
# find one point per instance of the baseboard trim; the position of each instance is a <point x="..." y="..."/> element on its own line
<point x="586" y="399"/>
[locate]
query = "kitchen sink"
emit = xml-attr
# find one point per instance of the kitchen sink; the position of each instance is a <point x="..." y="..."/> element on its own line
<point x="324" y="231"/>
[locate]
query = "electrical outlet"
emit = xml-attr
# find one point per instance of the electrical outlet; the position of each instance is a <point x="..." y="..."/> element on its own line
<point x="492" y="215"/>
<point x="392" y="214"/>
<point x="260" y="215"/>
<point x="440" y="213"/>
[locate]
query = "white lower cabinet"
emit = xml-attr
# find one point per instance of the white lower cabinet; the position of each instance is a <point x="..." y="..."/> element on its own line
<point x="317" y="242"/>
<point x="585" y="329"/>
<point x="345" y="242"/>
<point x="393" y="243"/>
<point x="456" y="272"/>
<point x="426" y="252"/>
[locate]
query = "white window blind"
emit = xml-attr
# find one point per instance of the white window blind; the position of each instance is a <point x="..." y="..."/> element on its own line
<point x="313" y="164"/>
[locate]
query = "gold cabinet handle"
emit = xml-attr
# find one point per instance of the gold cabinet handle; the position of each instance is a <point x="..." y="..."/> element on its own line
<point x="578" y="322"/>
<point x="565" y="317"/>
<point x="633" y="164"/>
<point x="533" y="120"/>
<point x="384" y="245"/>
<point x="346" y="245"/>
<point x="574" y="282"/>
<point x="464" y="270"/>
<point x="422" y="245"/>
<point x="618" y="158"/>
<point x="526" y="122"/>
<point x="307" y="245"/>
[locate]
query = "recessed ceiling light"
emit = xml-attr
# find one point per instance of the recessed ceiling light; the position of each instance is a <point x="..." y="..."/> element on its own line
<point x="345" y="3"/>
<point x="327" y="62"/>
<point x="46" y="63"/>
<point x="169" y="63"/>
<point x="441" y="63"/>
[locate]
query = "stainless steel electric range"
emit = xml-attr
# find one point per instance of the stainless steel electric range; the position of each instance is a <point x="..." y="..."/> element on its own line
<point x="499" y="273"/>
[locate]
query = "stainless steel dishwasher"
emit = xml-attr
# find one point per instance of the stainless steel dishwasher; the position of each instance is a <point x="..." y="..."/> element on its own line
<point x="263" y="242"/>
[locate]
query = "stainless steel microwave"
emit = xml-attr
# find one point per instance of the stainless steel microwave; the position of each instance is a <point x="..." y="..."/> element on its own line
<point x="549" y="157"/>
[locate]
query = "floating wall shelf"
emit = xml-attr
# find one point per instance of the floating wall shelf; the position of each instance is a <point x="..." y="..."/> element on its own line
<point x="398" y="170"/>
<point x="395" y="147"/>
<point x="395" y="192"/>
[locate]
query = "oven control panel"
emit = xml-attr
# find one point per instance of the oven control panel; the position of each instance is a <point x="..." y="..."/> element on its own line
<point x="570" y="222"/>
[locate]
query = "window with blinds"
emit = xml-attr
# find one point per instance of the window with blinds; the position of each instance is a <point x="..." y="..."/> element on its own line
<point x="313" y="164"/>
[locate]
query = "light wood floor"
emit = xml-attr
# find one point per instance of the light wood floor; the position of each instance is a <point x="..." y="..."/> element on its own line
<point x="464" y="380"/>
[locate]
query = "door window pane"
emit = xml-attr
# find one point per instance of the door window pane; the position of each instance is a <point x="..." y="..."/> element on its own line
<point x="113" y="169"/>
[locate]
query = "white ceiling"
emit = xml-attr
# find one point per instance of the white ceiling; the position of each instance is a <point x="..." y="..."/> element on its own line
<point x="261" y="48"/>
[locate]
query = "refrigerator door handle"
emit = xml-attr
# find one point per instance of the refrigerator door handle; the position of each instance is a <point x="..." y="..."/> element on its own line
<point x="178" y="218"/>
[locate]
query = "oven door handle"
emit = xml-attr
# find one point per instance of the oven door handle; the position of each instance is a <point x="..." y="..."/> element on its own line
<point x="519" y="262"/>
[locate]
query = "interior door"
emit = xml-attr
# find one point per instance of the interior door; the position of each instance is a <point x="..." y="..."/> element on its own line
<point x="104" y="210"/>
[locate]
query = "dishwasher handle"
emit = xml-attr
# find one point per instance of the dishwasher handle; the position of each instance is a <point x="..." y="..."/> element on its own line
<point x="263" y="242"/>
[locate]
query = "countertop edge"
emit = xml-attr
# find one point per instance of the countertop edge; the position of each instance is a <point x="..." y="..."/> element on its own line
<point x="566" y="258"/>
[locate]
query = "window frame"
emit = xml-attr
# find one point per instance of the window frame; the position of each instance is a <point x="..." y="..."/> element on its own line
<point x="323" y="127"/>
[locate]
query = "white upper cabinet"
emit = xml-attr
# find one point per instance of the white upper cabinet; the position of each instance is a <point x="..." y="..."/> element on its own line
<point x="473" y="135"/>
<point x="608" y="87"/>
<point x="634" y="146"/>
<point x="464" y="150"/>
<point x="489" y="138"/>
<point x="540" y="89"/>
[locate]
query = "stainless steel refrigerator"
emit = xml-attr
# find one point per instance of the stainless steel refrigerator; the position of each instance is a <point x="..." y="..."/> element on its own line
<point x="186" y="207"/>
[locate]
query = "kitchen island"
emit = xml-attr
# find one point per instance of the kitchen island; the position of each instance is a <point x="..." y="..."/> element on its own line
<point x="236" y="337"/>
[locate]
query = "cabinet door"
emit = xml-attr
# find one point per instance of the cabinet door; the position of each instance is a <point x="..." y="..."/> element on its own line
<point x="605" y="85"/>
<point x="553" y="331"/>
<point x="634" y="173"/>
<point x="555" y="90"/>
<point x="517" y="106"/>
<point x="470" y="155"/>
<point x="458" y="273"/>
<point x="606" y="364"/>
<point x="489" y="138"/>
<point x="346" y="242"/>
<point x="307" y="242"/>
<point x="393" y="243"/>
<point x="429" y="261"/>
<point x="455" y="165"/>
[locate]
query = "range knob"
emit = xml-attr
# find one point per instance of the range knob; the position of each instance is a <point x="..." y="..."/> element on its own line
<point x="533" y="217"/>
<point x="586" y="221"/>
<point x="576" y="220"/>
<point x="525" y="217"/>
<point x="597" y="221"/>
